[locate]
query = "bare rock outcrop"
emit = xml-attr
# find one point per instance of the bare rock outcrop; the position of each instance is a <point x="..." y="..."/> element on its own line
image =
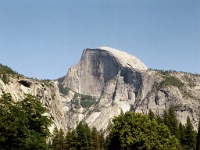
<point x="97" y="67"/>
<point x="119" y="81"/>
<point x="47" y="92"/>
<point x="105" y="82"/>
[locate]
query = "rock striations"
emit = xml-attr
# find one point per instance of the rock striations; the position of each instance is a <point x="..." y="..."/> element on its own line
<point x="106" y="81"/>
<point x="45" y="90"/>
<point x="119" y="81"/>
<point x="97" y="67"/>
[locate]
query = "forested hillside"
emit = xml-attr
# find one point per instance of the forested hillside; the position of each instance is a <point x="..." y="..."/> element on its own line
<point x="22" y="124"/>
<point x="130" y="131"/>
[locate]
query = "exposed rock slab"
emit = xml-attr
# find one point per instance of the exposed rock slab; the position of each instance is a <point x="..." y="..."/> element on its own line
<point x="47" y="92"/>
<point x="120" y="81"/>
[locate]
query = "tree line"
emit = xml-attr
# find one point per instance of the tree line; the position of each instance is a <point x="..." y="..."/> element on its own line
<point x="130" y="131"/>
<point x="24" y="127"/>
<point x="22" y="124"/>
<point x="81" y="138"/>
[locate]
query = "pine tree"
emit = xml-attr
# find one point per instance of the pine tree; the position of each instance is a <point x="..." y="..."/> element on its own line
<point x="159" y="119"/>
<point x="22" y="125"/>
<point x="189" y="141"/>
<point x="173" y="127"/>
<point x="198" y="137"/>
<point x="101" y="140"/>
<point x="137" y="131"/>
<point x="181" y="133"/>
<point x="58" y="140"/>
<point x="95" y="139"/>
<point x="84" y="138"/>
<point x="71" y="140"/>
<point x="151" y="114"/>
<point x="170" y="119"/>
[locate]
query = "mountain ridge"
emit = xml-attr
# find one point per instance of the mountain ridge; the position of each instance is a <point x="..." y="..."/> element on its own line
<point x="121" y="87"/>
<point x="101" y="85"/>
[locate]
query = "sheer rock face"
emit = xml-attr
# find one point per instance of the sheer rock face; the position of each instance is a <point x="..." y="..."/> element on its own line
<point x="116" y="81"/>
<point x="97" y="67"/>
<point x="46" y="91"/>
<point x="120" y="81"/>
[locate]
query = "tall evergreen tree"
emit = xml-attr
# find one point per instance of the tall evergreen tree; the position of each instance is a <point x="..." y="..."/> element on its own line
<point x="95" y="139"/>
<point x="101" y="140"/>
<point x="58" y="140"/>
<point x="189" y="141"/>
<point x="151" y="114"/>
<point x="170" y="119"/>
<point x="137" y="131"/>
<point x="83" y="136"/>
<point x="159" y="119"/>
<point x="22" y="124"/>
<point x="71" y="140"/>
<point x="181" y="133"/>
<point x="198" y="137"/>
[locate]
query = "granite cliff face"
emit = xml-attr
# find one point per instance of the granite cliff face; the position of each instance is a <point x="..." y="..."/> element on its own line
<point x="118" y="81"/>
<point x="104" y="82"/>
<point x="47" y="92"/>
<point x="97" y="67"/>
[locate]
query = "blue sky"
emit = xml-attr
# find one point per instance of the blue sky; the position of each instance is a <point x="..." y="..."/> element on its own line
<point x="43" y="38"/>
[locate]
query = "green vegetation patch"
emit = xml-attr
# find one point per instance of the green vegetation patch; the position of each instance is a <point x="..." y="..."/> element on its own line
<point x="22" y="124"/>
<point x="171" y="81"/>
<point x="5" y="71"/>
<point x="62" y="89"/>
<point x="86" y="101"/>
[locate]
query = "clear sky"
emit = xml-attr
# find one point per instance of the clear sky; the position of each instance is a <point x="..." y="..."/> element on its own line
<point x="43" y="38"/>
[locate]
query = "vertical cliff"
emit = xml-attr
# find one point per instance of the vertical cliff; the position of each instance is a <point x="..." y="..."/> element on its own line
<point x="118" y="81"/>
<point x="47" y="92"/>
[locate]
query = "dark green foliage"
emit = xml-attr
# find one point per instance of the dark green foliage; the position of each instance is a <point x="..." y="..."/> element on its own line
<point x="171" y="81"/>
<point x="159" y="119"/>
<point x="134" y="131"/>
<point x="137" y="131"/>
<point x="5" y="71"/>
<point x="171" y="121"/>
<point x="22" y="125"/>
<point x="101" y="140"/>
<point x="151" y="115"/>
<point x="75" y="100"/>
<point x="185" y="133"/>
<point x="71" y="140"/>
<point x="189" y="139"/>
<point x="58" y="140"/>
<point x="84" y="138"/>
<point x="95" y="139"/>
<point x="86" y="101"/>
<point x="181" y="130"/>
<point x="60" y="80"/>
<point x="62" y="89"/>
<point x="198" y="137"/>
<point x="167" y="72"/>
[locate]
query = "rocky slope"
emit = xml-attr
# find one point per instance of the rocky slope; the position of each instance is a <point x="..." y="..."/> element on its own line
<point x="118" y="81"/>
<point x="104" y="82"/>
<point x="47" y="91"/>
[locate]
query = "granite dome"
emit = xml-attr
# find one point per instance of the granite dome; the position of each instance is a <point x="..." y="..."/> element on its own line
<point x="125" y="59"/>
